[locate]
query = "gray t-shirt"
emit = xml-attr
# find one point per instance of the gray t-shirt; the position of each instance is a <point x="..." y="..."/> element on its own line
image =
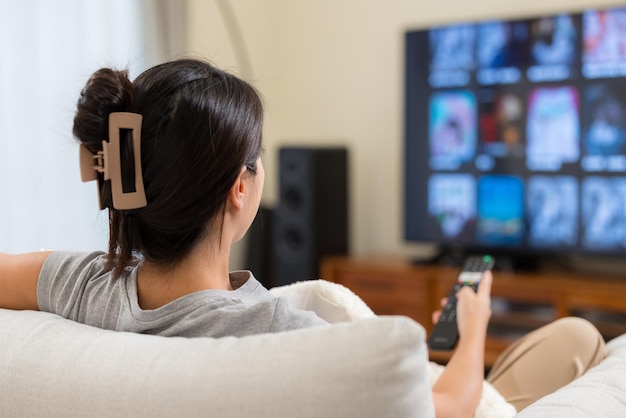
<point x="77" y="286"/>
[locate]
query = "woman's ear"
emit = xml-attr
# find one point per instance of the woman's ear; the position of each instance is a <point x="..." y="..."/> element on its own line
<point x="237" y="191"/>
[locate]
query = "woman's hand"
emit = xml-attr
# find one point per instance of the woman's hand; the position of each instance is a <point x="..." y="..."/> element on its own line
<point x="473" y="309"/>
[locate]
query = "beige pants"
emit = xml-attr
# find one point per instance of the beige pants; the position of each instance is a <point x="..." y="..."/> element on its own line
<point x="546" y="359"/>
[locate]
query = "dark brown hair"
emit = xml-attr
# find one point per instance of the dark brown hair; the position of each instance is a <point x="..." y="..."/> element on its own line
<point x="201" y="125"/>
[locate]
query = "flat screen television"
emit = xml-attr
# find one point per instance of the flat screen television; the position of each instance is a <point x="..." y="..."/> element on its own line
<point x="515" y="135"/>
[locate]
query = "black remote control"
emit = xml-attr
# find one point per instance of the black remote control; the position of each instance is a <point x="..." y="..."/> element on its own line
<point x="445" y="334"/>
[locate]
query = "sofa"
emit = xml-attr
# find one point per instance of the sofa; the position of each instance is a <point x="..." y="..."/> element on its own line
<point x="360" y="366"/>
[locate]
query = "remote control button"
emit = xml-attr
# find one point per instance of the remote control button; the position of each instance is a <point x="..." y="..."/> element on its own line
<point x="470" y="276"/>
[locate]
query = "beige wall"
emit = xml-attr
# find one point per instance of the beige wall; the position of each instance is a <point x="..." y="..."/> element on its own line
<point x="331" y="72"/>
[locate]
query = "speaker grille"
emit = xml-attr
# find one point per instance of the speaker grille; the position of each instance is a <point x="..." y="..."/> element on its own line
<point x="312" y="215"/>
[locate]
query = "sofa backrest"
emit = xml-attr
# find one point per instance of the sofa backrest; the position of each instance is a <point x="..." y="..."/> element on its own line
<point x="53" y="367"/>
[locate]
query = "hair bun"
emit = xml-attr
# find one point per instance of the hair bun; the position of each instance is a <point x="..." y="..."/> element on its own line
<point x="106" y="91"/>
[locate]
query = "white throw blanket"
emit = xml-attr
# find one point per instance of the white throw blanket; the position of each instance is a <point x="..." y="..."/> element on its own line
<point x="336" y="303"/>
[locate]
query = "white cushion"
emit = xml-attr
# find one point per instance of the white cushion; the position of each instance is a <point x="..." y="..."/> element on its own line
<point x="332" y="302"/>
<point x="54" y="367"/>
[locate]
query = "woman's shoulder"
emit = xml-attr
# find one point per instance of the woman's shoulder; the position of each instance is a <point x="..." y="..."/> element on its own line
<point x="63" y="275"/>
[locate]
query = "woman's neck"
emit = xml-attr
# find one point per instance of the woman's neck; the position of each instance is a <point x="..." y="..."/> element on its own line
<point x="202" y="269"/>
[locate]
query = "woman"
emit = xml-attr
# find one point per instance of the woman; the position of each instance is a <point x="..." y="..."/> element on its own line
<point x="177" y="158"/>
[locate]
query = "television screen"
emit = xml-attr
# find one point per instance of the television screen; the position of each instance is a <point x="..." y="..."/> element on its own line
<point x="516" y="134"/>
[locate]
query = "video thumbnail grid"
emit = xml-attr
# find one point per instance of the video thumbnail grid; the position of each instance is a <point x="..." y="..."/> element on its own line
<point x="526" y="131"/>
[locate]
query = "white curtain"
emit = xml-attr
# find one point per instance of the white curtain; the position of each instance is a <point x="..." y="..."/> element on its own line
<point x="48" y="50"/>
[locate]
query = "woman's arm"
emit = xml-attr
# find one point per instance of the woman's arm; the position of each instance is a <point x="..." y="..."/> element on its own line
<point x="18" y="279"/>
<point x="458" y="390"/>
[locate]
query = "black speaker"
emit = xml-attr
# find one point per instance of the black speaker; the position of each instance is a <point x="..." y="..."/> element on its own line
<point x="311" y="219"/>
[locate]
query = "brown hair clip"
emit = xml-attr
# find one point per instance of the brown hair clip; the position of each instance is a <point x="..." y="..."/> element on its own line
<point x="108" y="162"/>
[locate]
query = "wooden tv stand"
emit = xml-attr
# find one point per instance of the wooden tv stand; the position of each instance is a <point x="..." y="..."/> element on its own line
<point x="521" y="302"/>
